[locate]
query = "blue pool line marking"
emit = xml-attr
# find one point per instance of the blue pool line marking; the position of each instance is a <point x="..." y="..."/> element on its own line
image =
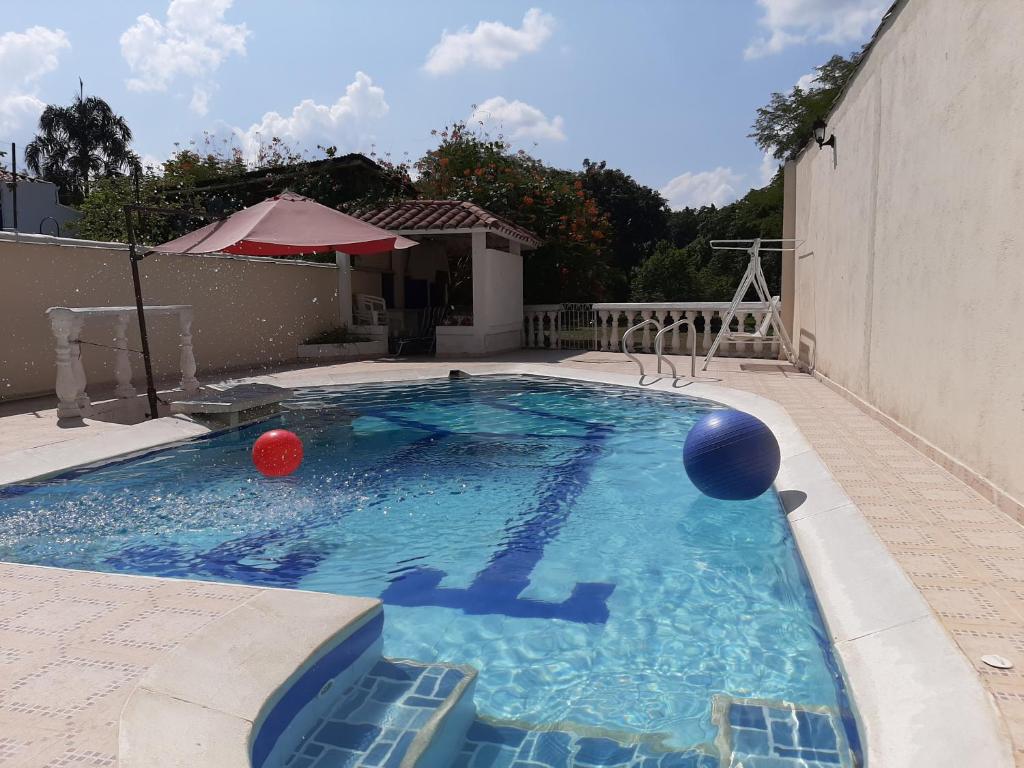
<point x="496" y="588"/>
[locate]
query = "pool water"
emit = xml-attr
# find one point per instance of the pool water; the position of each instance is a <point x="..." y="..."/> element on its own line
<point x="539" y="530"/>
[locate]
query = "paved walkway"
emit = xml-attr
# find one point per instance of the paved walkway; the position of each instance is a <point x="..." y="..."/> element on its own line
<point x="70" y="652"/>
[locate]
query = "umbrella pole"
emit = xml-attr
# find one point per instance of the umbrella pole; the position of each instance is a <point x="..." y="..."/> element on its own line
<point x="133" y="256"/>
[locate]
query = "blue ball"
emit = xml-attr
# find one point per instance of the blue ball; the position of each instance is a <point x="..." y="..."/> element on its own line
<point x="731" y="455"/>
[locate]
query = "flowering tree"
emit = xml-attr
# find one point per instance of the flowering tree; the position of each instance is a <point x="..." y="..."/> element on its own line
<point x="572" y="264"/>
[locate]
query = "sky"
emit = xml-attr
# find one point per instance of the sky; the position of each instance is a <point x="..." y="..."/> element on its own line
<point x="666" y="90"/>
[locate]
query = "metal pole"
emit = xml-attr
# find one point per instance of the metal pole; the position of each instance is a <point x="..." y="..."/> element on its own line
<point x="14" y="186"/>
<point x="134" y="258"/>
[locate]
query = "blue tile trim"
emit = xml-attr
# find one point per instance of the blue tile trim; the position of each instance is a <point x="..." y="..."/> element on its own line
<point x="309" y="683"/>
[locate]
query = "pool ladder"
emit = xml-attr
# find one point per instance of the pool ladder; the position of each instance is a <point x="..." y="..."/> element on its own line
<point x="659" y="341"/>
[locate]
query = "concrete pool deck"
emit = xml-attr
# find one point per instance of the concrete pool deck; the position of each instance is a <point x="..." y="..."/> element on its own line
<point x="961" y="553"/>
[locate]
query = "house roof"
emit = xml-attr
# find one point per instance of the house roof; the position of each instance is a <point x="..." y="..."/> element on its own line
<point x="423" y="216"/>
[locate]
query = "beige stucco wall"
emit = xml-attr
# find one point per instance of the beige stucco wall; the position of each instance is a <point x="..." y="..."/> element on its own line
<point x="248" y="312"/>
<point x="909" y="287"/>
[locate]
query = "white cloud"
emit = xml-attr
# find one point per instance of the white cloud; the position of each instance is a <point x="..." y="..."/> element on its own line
<point x="24" y="58"/>
<point x="200" y="103"/>
<point x="808" y="81"/>
<point x="192" y="43"/>
<point x="491" y="45"/>
<point x="791" y="22"/>
<point x="717" y="187"/>
<point x="769" y="167"/>
<point x="153" y="163"/>
<point x="518" y="120"/>
<point x="343" y="123"/>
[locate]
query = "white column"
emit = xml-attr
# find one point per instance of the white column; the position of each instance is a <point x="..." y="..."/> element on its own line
<point x="122" y="363"/>
<point x="759" y="344"/>
<point x="705" y="341"/>
<point x="344" y="262"/>
<point x="62" y="323"/>
<point x="645" y="343"/>
<point x="81" y="398"/>
<point x="554" y="329"/>
<point x="602" y="330"/>
<point x="189" y="383"/>
<point x="481" y="284"/>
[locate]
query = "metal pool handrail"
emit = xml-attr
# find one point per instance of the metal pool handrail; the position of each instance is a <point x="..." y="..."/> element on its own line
<point x="659" y="340"/>
<point x="628" y="334"/>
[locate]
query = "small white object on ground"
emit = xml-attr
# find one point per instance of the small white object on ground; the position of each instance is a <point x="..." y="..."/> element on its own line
<point x="999" y="662"/>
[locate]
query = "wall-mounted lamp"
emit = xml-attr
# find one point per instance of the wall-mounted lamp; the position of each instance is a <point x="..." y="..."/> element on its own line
<point x="819" y="135"/>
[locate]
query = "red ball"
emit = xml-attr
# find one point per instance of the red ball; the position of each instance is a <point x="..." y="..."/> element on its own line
<point x="277" y="453"/>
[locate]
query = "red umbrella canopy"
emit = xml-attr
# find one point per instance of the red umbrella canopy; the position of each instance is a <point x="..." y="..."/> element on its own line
<point x="287" y="225"/>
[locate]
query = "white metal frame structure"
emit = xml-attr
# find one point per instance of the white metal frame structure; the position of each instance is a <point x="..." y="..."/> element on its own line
<point x="754" y="276"/>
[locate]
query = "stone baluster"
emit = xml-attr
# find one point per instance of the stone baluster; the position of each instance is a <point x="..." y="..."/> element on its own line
<point x="81" y="397"/>
<point x="528" y="329"/>
<point x="601" y="330"/>
<point x="62" y="325"/>
<point x="189" y="383"/>
<point x="729" y="345"/>
<point x="122" y="363"/>
<point x="705" y="341"/>
<point x="645" y="339"/>
<point x="672" y="317"/>
<point x="555" y="322"/>
<point x="630" y="322"/>
<point x="659" y="315"/>
<point x="758" y="344"/>
<point x="687" y="333"/>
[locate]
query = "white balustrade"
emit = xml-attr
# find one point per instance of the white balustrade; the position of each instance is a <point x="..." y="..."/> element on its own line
<point x="543" y="328"/>
<point x="67" y="324"/>
<point x="534" y="317"/>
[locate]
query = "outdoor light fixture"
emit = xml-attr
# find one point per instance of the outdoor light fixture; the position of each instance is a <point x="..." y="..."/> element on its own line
<point x="819" y="135"/>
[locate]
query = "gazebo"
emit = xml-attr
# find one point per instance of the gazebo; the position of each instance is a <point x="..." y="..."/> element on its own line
<point x="468" y="258"/>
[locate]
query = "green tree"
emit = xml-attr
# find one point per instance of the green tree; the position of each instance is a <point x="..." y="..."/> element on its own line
<point x="784" y="125"/>
<point x="79" y="143"/>
<point x="686" y="268"/>
<point x="572" y="264"/>
<point x="637" y="214"/>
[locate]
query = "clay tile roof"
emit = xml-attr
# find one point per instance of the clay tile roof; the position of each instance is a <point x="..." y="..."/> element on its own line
<point x="420" y="215"/>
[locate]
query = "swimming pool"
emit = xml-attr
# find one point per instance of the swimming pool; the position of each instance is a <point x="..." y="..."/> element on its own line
<point x="541" y="531"/>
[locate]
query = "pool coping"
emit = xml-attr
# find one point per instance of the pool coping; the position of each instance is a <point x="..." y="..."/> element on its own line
<point x="917" y="698"/>
<point x="212" y="693"/>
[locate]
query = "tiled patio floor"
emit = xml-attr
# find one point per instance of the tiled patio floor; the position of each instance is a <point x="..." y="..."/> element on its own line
<point x="65" y="672"/>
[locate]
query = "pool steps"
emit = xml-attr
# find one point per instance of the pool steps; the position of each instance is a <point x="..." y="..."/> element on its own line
<point x="400" y="714"/>
<point x="354" y="707"/>
<point x="405" y="714"/>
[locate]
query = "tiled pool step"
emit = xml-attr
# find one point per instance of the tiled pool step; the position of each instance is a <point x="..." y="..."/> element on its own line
<point x="761" y="734"/>
<point x="494" y="744"/>
<point x="399" y="714"/>
<point x="752" y="734"/>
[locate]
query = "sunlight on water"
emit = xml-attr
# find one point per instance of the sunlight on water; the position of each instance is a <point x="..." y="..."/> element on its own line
<point x="541" y="531"/>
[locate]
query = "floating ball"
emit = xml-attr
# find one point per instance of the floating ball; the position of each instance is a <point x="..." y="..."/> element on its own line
<point x="731" y="455"/>
<point x="277" y="453"/>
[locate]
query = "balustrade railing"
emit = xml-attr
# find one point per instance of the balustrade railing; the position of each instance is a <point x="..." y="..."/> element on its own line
<point x="544" y="326"/>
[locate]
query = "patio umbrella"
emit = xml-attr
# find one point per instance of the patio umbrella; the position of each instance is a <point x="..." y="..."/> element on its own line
<point x="287" y="225"/>
<point x="283" y="225"/>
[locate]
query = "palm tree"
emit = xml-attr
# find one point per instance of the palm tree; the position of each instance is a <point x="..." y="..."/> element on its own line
<point x="78" y="143"/>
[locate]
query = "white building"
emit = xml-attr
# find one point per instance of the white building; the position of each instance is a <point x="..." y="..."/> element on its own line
<point x="39" y="209"/>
